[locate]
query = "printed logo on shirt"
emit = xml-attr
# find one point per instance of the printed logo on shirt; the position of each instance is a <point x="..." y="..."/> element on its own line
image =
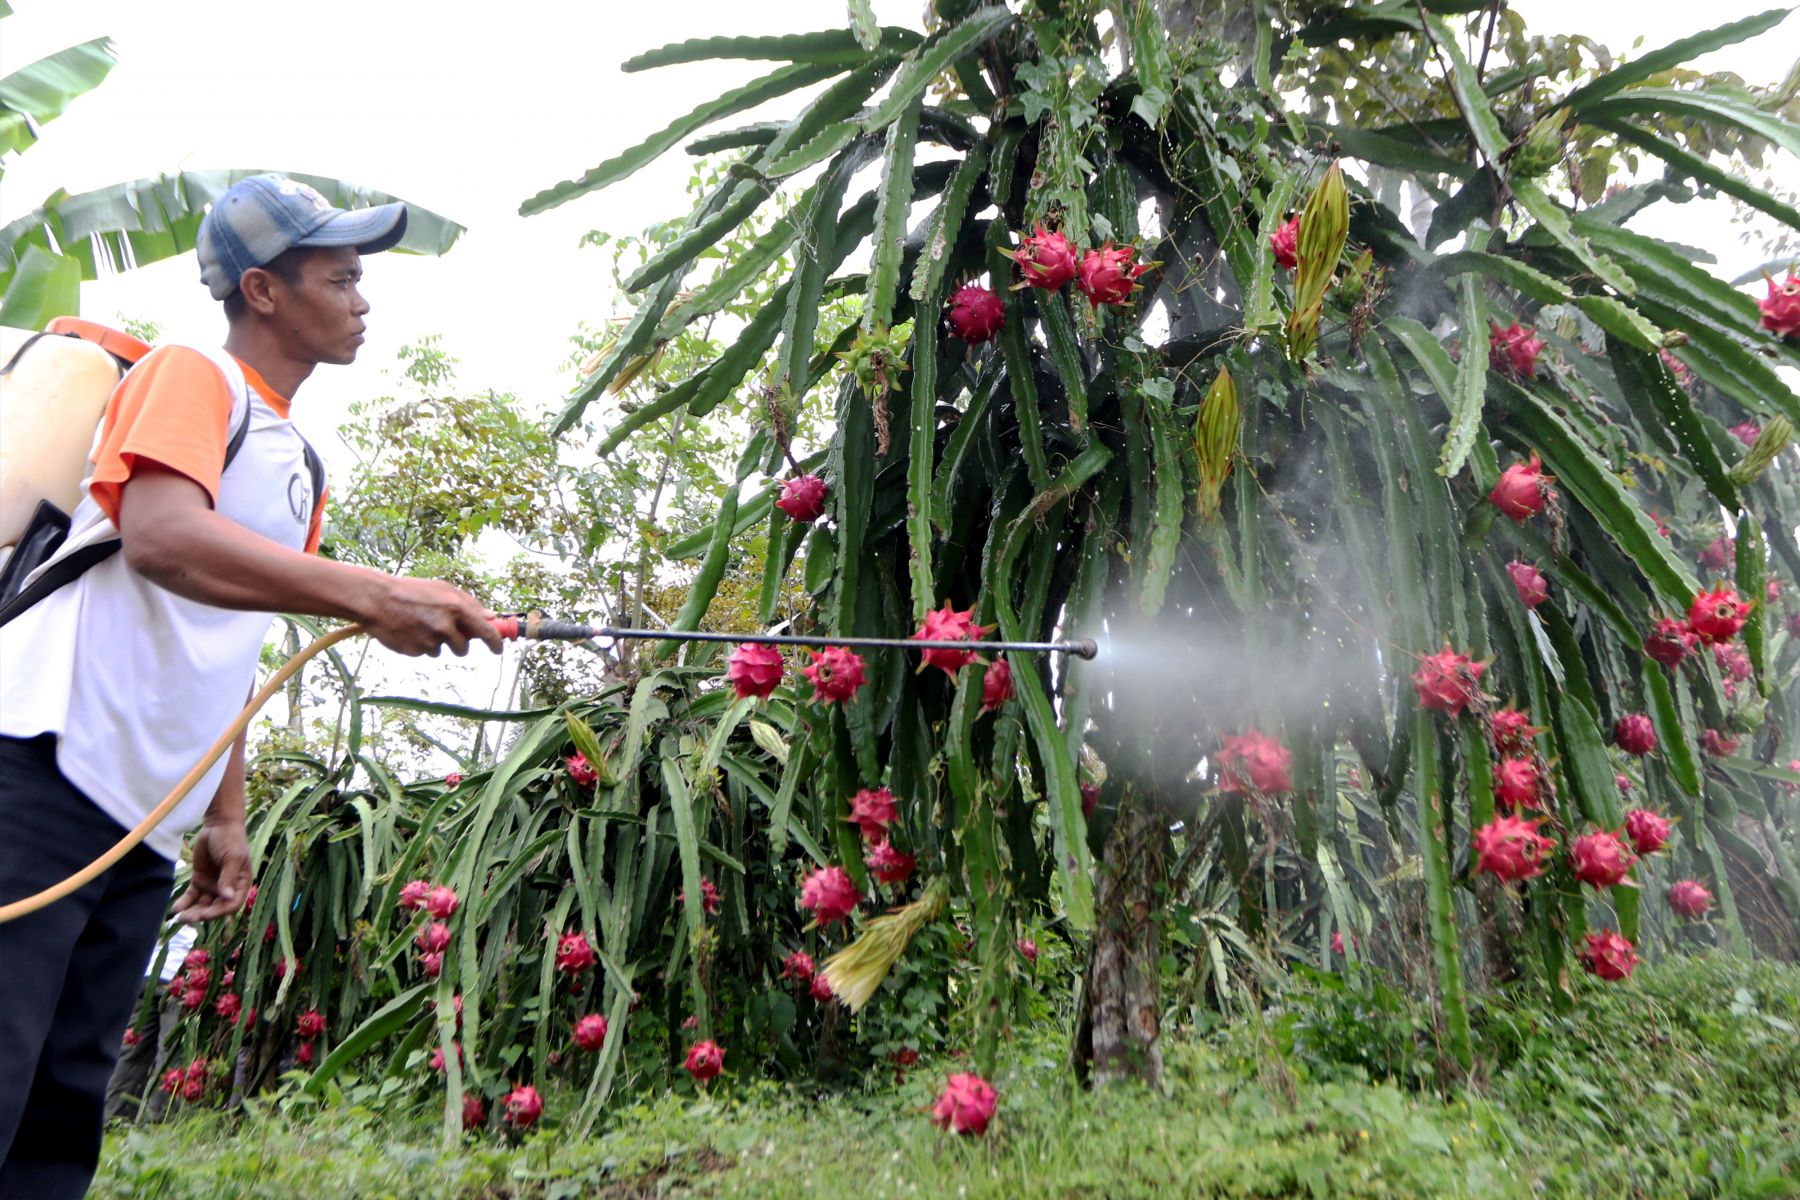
<point x="299" y="498"/>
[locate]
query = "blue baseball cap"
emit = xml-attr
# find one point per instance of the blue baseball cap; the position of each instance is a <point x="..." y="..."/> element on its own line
<point x="263" y="216"/>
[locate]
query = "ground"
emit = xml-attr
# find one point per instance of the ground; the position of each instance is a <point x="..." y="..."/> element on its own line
<point x="1685" y="1081"/>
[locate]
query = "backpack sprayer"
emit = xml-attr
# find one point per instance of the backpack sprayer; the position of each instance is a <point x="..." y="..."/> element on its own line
<point x="526" y="626"/>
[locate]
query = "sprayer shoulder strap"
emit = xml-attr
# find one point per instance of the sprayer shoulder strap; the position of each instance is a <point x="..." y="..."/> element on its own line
<point x="73" y="558"/>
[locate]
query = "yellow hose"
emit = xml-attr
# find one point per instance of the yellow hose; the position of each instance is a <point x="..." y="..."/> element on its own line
<point x="50" y="895"/>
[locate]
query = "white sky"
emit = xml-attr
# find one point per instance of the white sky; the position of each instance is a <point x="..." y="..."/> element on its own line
<point x="468" y="110"/>
<point x="468" y="113"/>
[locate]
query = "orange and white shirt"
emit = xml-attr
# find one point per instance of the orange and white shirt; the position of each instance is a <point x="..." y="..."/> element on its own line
<point x="136" y="681"/>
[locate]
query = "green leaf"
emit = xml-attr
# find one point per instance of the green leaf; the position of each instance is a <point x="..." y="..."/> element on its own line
<point x="1703" y="105"/>
<point x="622" y="165"/>
<point x="1150" y="59"/>
<point x="835" y="46"/>
<point x="43" y="286"/>
<point x="1471" y="379"/>
<point x="890" y="217"/>
<point x="383" y="1023"/>
<point x="1591" y="484"/>
<point x="864" y="25"/>
<point x="1695" y="167"/>
<point x="1440" y="905"/>
<point x="43" y="89"/>
<point x="930" y="60"/>
<point x="1622" y="322"/>
<point x="1477" y="114"/>
<point x="1673" y="55"/>
<point x="1554" y="221"/>
<point x="1508" y="272"/>
<point x="1671" y="731"/>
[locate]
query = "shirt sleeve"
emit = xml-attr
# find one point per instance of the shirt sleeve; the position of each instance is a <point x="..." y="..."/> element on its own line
<point x="174" y="409"/>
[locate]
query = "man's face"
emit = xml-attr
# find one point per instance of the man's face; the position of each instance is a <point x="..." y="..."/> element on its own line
<point x="320" y="316"/>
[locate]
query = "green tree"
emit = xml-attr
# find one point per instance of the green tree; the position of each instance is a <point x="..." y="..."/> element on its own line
<point x="1049" y="480"/>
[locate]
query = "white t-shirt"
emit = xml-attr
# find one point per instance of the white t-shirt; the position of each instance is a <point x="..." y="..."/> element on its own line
<point x="136" y="681"/>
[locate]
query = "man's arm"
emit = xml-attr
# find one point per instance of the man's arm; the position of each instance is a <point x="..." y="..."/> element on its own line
<point x="173" y="538"/>
<point x="222" y="870"/>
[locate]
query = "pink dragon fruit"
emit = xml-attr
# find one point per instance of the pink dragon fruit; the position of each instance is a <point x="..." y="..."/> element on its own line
<point x="432" y="963"/>
<point x="303" y="1055"/>
<point x="1689" y="898"/>
<point x="1635" y="734"/>
<point x="1718" y="744"/>
<point x="1522" y="490"/>
<point x="437" y="1057"/>
<point x="1516" y="784"/>
<point x="709" y="897"/>
<point x="797" y="966"/>
<point x="574" y="954"/>
<point x="1716" y="616"/>
<point x="310" y="1024"/>
<point x="228" y="1006"/>
<point x="835" y="673"/>
<point x="1648" y="831"/>
<point x="1734" y="662"/>
<point x="704" y="1060"/>
<point x="1251" y="762"/>
<point x="581" y="770"/>
<point x="1601" y="859"/>
<point x="441" y="902"/>
<point x="590" y="1032"/>
<point x="948" y="625"/>
<point x="1511" y="731"/>
<point x="1109" y="275"/>
<point x="976" y="314"/>
<point x="523" y="1107"/>
<point x="1447" y="681"/>
<point x="1608" y="956"/>
<point x="889" y="865"/>
<point x="434" y="938"/>
<point x="1514" y="351"/>
<point x="872" y="810"/>
<point x="474" y="1112"/>
<point x="966" y="1106"/>
<point x="829" y="894"/>
<point x="1719" y="554"/>
<point x="820" y="990"/>
<point x="755" y="670"/>
<point x="996" y="685"/>
<point x="803" y="498"/>
<point x="1028" y="950"/>
<point x="453" y="780"/>
<point x="1285" y="242"/>
<point x="1511" y="848"/>
<point x="1529" y="582"/>
<point x="1045" y="260"/>
<point x="1672" y="642"/>
<point x="1781" y="307"/>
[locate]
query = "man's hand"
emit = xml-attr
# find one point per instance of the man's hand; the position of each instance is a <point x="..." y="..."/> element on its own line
<point x="418" y="616"/>
<point x="221" y="875"/>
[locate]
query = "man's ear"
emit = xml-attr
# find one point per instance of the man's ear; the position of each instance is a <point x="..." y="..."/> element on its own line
<point x="258" y="287"/>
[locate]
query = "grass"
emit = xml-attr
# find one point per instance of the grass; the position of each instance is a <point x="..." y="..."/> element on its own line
<point x="1684" y="1082"/>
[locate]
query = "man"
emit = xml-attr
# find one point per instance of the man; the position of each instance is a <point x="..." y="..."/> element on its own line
<point x="114" y="685"/>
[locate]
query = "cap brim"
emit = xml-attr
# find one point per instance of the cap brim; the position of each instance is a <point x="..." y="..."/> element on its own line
<point x="370" y="230"/>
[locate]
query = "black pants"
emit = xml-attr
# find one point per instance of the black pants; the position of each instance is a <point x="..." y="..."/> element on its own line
<point x="69" y="973"/>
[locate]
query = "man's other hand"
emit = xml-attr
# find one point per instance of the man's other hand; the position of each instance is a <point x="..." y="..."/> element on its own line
<point x="221" y="874"/>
